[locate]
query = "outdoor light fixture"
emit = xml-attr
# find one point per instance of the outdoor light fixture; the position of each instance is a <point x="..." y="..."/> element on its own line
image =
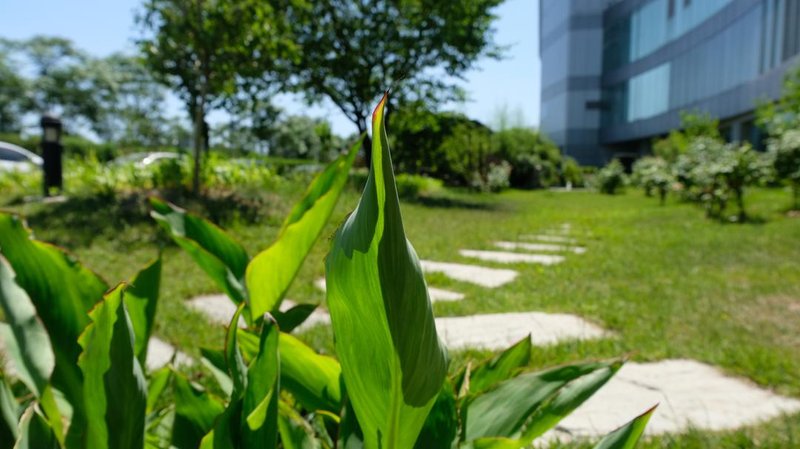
<point x="51" y="153"/>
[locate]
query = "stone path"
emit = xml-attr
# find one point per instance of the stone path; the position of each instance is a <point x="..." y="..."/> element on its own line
<point x="219" y="309"/>
<point x="159" y="353"/>
<point x="483" y="276"/>
<point x="506" y="257"/>
<point x="540" y="247"/>
<point x="549" y="238"/>
<point x="436" y="294"/>
<point x="501" y="330"/>
<point x="690" y="394"/>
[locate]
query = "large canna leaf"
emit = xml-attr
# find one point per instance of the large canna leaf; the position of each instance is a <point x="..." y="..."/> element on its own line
<point x="568" y="399"/>
<point x="35" y="431"/>
<point x="497" y="369"/>
<point x="504" y="410"/>
<point x="392" y="360"/>
<point x="441" y="426"/>
<point x="628" y="435"/>
<point x="115" y="390"/>
<point x="216" y="252"/>
<point x="26" y="339"/>
<point x="62" y="291"/>
<point x="141" y="298"/>
<point x="313" y="379"/>
<point x="272" y="271"/>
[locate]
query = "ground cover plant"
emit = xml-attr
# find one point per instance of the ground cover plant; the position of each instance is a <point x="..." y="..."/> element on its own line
<point x="731" y="301"/>
<point x="79" y="346"/>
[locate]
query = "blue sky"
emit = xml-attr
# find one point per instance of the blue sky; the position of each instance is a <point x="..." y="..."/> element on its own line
<point x="102" y="27"/>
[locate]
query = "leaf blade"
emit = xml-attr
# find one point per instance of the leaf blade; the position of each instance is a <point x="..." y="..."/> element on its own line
<point x="392" y="361"/>
<point x="272" y="271"/>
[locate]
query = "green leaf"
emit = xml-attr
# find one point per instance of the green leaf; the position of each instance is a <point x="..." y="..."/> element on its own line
<point x="295" y="432"/>
<point x="195" y="413"/>
<point x="214" y="360"/>
<point x="499" y="368"/>
<point x="216" y="252"/>
<point x="141" y="298"/>
<point x="313" y="379"/>
<point x="494" y="443"/>
<point x="62" y="291"/>
<point x="26" y="338"/>
<point x="35" y="432"/>
<point x="272" y="271"/>
<point x="115" y="391"/>
<point x="9" y="415"/>
<point x="293" y="317"/>
<point x="392" y="360"/>
<point x="237" y="369"/>
<point x="568" y="399"/>
<point x="251" y="419"/>
<point x="158" y="383"/>
<point x="441" y="426"/>
<point x="628" y="435"/>
<point x="503" y="411"/>
<point x="260" y="403"/>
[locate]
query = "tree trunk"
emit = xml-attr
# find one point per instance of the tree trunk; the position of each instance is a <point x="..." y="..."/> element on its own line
<point x="740" y="203"/>
<point x="199" y="140"/>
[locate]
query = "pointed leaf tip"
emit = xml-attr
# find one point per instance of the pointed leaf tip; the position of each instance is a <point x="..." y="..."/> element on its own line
<point x="377" y="113"/>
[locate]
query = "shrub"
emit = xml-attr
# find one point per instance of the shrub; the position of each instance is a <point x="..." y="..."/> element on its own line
<point x="534" y="160"/>
<point x="785" y="151"/>
<point x="389" y="390"/>
<point x="654" y="175"/>
<point x="611" y="178"/>
<point x="412" y="187"/>
<point x="572" y="173"/>
<point x="712" y="172"/>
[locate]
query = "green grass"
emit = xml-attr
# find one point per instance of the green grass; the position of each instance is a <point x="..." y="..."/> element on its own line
<point x="666" y="281"/>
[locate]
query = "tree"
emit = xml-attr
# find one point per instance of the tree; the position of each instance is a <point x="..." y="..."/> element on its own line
<point x="14" y="91"/>
<point x="354" y="50"/>
<point x="208" y="50"/>
<point x="130" y="101"/>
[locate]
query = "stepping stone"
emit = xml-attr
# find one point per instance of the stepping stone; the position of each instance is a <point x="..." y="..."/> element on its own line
<point x="506" y="257"/>
<point x="483" y="276"/>
<point x="691" y="395"/>
<point x="540" y="247"/>
<point x="501" y="330"/>
<point x="442" y="295"/>
<point x="219" y="309"/>
<point x="436" y="294"/>
<point x="549" y="238"/>
<point x="160" y="353"/>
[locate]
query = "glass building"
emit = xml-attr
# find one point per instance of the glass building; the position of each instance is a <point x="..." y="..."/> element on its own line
<point x="617" y="73"/>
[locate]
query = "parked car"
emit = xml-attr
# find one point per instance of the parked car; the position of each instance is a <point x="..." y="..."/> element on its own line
<point x="146" y="159"/>
<point x="16" y="158"/>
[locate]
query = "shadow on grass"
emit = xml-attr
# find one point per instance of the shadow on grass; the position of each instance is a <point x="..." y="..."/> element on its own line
<point x="448" y="202"/>
<point x="79" y="221"/>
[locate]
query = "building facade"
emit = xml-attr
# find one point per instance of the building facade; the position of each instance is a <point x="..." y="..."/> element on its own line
<point x="617" y="73"/>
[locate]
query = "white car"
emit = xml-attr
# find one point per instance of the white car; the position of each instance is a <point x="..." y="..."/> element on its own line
<point x="16" y="158"/>
<point x="146" y="159"/>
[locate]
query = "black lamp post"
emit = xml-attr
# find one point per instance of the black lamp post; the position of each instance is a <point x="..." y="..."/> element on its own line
<point x="51" y="152"/>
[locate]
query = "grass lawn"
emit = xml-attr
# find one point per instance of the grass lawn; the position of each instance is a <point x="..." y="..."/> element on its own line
<point x="666" y="281"/>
